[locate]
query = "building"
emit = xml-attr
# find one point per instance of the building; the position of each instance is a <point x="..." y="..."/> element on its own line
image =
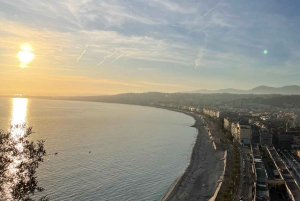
<point x="284" y="139"/>
<point x="265" y="137"/>
<point x="296" y="140"/>
<point x="255" y="134"/>
<point x="291" y="185"/>
<point x="227" y="123"/>
<point x="234" y="130"/>
<point x="244" y="133"/>
<point x="211" y="112"/>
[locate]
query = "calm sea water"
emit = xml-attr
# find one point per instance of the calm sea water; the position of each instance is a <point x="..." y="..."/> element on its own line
<point x="136" y="152"/>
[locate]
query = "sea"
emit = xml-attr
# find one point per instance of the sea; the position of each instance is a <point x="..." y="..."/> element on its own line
<point x="111" y="152"/>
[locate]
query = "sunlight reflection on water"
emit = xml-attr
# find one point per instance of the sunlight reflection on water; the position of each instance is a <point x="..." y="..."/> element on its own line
<point x="19" y="111"/>
<point x="16" y="156"/>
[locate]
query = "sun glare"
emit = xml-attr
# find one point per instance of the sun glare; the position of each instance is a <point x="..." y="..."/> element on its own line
<point x="25" y="55"/>
<point x="18" y="117"/>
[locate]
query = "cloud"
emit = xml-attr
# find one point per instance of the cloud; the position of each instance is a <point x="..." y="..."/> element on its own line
<point x="117" y="58"/>
<point x="81" y="54"/>
<point x="148" y="69"/>
<point x="106" y="57"/>
<point x="201" y="53"/>
<point x="210" y="10"/>
<point x="174" y="7"/>
<point x="83" y="79"/>
<point x="172" y="36"/>
<point x="56" y="46"/>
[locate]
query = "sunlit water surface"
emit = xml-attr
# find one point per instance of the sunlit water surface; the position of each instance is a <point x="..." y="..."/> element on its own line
<point x="105" y="151"/>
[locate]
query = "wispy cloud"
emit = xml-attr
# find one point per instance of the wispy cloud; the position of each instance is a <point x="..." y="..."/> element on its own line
<point x="175" y="7"/>
<point x="83" y="79"/>
<point x="117" y="58"/>
<point x="82" y="54"/>
<point x="175" y="37"/>
<point x="106" y="57"/>
<point x="148" y="69"/>
<point x="210" y="10"/>
<point x="200" y="55"/>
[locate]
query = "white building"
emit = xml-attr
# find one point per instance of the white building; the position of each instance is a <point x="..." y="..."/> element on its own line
<point x="211" y="112"/>
<point x="227" y="124"/>
<point x="234" y="130"/>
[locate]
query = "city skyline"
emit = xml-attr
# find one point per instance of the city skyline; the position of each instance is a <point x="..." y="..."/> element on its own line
<point x="97" y="47"/>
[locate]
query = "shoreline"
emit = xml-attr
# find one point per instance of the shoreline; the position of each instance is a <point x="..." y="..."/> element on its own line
<point x="174" y="184"/>
<point x="200" y="180"/>
<point x="172" y="187"/>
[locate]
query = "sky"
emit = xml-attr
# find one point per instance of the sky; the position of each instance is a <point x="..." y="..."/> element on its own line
<point x="95" y="47"/>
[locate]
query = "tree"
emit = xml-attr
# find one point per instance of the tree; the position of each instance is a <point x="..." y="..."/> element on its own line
<point x="19" y="159"/>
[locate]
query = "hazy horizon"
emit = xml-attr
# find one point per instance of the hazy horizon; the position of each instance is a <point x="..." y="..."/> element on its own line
<point x="101" y="48"/>
<point x="287" y="91"/>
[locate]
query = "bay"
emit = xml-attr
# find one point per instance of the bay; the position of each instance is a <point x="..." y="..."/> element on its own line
<point x="104" y="151"/>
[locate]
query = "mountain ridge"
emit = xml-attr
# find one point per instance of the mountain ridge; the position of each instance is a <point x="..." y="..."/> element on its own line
<point x="262" y="89"/>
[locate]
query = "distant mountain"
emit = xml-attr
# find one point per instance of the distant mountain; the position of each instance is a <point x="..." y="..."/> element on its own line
<point x="285" y="90"/>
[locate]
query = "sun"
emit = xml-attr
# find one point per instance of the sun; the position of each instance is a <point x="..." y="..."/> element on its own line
<point x="25" y="55"/>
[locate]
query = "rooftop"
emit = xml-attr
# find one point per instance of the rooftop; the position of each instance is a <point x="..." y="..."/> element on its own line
<point x="244" y="123"/>
<point x="294" y="188"/>
<point x="261" y="175"/>
<point x="259" y="165"/>
<point x="290" y="181"/>
<point x="255" y="151"/>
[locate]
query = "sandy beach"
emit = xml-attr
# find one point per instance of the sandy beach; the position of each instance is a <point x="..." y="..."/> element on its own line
<point x="200" y="180"/>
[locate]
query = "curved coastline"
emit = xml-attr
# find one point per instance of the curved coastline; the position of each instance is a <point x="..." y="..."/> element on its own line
<point x="201" y="179"/>
<point x="206" y="180"/>
<point x="171" y="189"/>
